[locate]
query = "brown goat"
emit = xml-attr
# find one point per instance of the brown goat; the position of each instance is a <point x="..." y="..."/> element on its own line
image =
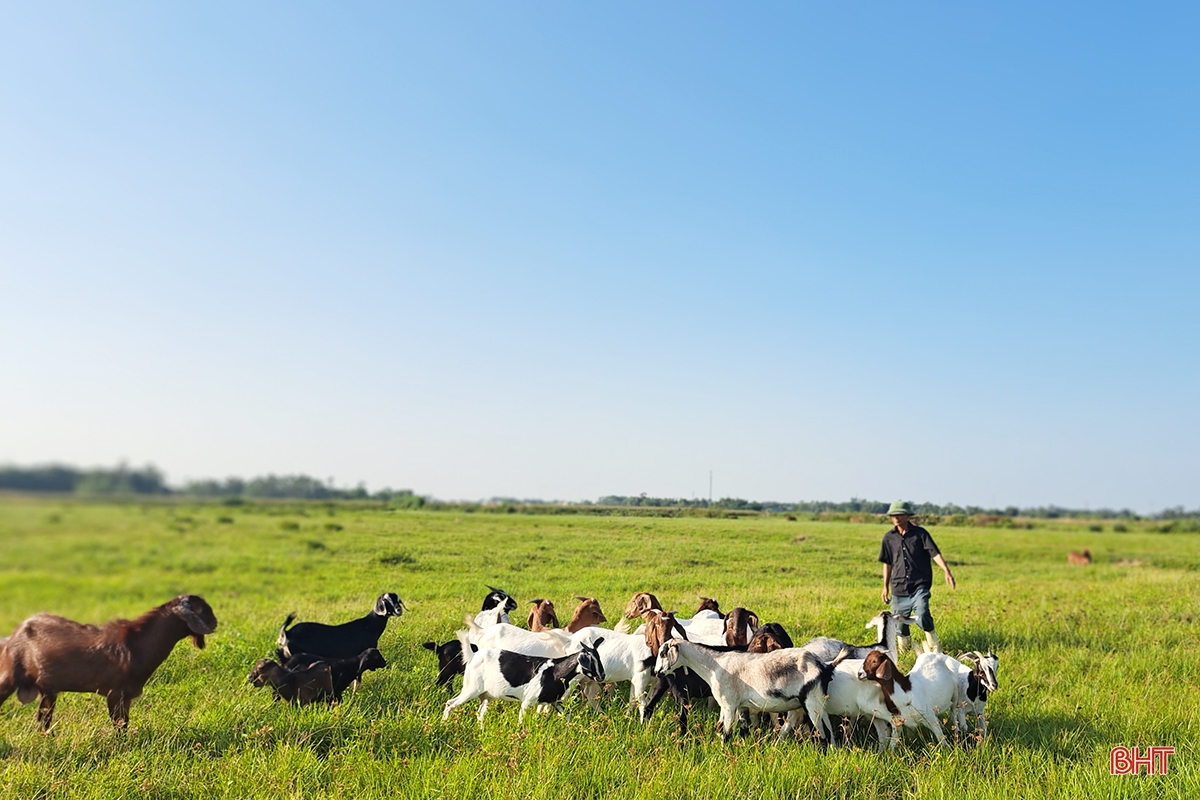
<point x="305" y="684"/>
<point x="48" y="654"/>
<point x="740" y="625"/>
<point x="879" y="667"/>
<point x="587" y="613"/>
<point x="542" y="616"/>
<point x="1080" y="559"/>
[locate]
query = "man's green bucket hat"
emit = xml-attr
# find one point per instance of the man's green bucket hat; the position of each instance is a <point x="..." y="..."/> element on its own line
<point x="900" y="507"/>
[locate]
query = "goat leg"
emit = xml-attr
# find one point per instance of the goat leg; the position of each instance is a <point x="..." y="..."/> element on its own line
<point x="118" y="709"/>
<point x="45" y="714"/>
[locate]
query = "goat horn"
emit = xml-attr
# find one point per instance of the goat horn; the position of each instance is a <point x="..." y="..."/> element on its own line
<point x="581" y="597"/>
<point x="539" y="600"/>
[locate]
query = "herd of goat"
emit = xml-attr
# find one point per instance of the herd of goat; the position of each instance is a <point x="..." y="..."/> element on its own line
<point x="753" y="672"/>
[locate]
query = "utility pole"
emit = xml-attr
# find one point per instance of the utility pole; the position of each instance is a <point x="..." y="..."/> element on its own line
<point x="710" y="487"/>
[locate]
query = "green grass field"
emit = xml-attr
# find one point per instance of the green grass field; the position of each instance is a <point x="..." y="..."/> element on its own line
<point x="1090" y="657"/>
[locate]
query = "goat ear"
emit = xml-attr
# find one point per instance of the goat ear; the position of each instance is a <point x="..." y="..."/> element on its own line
<point x="884" y="671"/>
<point x="197" y="625"/>
<point x="430" y="646"/>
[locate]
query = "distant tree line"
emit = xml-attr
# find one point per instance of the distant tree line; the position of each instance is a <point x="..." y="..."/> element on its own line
<point x="859" y="506"/>
<point x="123" y="480"/>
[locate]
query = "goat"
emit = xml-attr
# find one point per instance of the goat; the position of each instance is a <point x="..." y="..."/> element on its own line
<point x="974" y="683"/>
<point x="495" y="608"/>
<point x="769" y="637"/>
<point x="774" y="682"/>
<point x="48" y="654"/>
<point x="626" y="658"/>
<point x="345" y="670"/>
<point x="740" y="625"/>
<point x="929" y="688"/>
<point x="847" y="696"/>
<point x="587" y="614"/>
<point x="885" y="622"/>
<point x="494" y="674"/>
<point x="503" y="636"/>
<point x="306" y="684"/>
<point x="340" y="641"/>
<point x="684" y="685"/>
<point x="552" y="682"/>
<point x="1079" y="559"/>
<point x="542" y="616"/>
<point x="638" y="606"/>
<point x="450" y="660"/>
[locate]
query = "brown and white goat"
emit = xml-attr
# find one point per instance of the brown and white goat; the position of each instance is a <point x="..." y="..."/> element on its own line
<point x="542" y="616"/>
<point x="48" y="654"/>
<point x="768" y="638"/>
<point x="740" y="625"/>
<point x="1079" y="559"/>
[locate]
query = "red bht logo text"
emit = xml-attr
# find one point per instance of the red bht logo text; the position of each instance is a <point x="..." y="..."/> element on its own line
<point x="1126" y="761"/>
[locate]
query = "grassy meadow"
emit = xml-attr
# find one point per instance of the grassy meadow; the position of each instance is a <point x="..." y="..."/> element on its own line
<point x="1090" y="657"/>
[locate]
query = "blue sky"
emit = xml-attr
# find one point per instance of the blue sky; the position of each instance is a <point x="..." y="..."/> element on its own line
<point x="567" y="250"/>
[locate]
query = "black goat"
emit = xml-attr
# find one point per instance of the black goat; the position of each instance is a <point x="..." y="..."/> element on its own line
<point x="340" y="641"/>
<point x="345" y="671"/>
<point x="450" y="660"/>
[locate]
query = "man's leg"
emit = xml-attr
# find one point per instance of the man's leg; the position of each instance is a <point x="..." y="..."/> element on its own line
<point x="920" y="610"/>
<point x="902" y="606"/>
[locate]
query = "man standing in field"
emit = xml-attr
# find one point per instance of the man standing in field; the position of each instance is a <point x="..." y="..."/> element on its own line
<point x="907" y="576"/>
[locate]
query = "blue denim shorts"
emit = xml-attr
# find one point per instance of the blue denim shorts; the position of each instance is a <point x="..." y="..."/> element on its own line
<point x="914" y="605"/>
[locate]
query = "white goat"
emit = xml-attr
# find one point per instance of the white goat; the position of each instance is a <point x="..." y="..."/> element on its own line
<point x="775" y="682"/>
<point x="885" y="622"/>
<point x="626" y="658"/>
<point x="503" y="636"/>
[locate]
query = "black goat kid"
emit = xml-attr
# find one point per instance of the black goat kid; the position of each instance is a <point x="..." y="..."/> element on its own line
<point x="340" y="641"/>
<point x="345" y="670"/>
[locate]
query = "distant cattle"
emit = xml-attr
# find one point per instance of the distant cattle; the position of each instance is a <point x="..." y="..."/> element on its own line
<point x="1082" y="559"/>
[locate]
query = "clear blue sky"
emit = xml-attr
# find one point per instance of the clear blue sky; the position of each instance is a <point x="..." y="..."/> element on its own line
<point x="561" y="250"/>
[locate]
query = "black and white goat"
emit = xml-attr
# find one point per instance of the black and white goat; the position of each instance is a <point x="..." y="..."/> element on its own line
<point x="974" y="684"/>
<point x="495" y="608"/>
<point x="493" y="674"/>
<point x="340" y="641"/>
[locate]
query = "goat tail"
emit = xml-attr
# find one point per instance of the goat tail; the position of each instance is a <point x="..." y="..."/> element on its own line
<point x="283" y="637"/>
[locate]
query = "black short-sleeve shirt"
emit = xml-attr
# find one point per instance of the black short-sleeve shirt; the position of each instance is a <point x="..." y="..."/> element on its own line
<point x="909" y="556"/>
